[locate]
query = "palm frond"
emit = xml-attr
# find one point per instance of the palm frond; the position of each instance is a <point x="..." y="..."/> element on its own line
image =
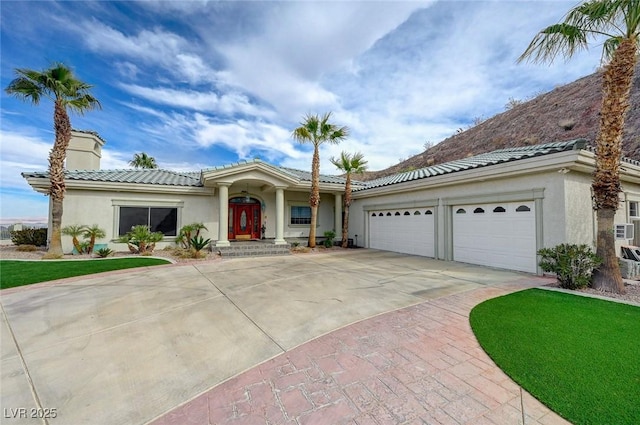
<point x="613" y="20"/>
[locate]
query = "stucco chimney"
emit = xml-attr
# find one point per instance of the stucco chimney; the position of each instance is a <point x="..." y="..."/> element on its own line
<point x="84" y="151"/>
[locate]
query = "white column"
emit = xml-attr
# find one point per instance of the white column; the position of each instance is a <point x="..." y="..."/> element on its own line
<point x="338" y="216"/>
<point x="280" y="217"/>
<point x="223" y="224"/>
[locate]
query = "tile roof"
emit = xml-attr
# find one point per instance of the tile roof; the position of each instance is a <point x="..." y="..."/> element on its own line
<point x="193" y="178"/>
<point x="482" y="160"/>
<point x="145" y="176"/>
<point x="295" y="173"/>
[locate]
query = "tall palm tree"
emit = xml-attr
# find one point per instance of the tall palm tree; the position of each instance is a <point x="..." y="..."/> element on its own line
<point x="317" y="130"/>
<point x="616" y="24"/>
<point x="349" y="164"/>
<point x="142" y="160"/>
<point x="60" y="85"/>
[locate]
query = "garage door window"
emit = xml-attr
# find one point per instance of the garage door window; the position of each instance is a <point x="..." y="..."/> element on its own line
<point x="428" y="212"/>
<point x="461" y="211"/>
<point x="416" y="213"/>
<point x="523" y="208"/>
<point x="499" y="210"/>
<point x="478" y="211"/>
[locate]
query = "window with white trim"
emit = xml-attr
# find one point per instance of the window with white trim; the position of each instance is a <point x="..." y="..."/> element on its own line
<point x="159" y="219"/>
<point x="633" y="209"/>
<point x="300" y="214"/>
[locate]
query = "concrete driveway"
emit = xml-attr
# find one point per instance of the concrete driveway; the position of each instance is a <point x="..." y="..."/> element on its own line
<point x="124" y="348"/>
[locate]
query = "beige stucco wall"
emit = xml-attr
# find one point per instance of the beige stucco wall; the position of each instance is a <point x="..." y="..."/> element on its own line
<point x="567" y="214"/>
<point x="97" y="207"/>
<point x="552" y="203"/>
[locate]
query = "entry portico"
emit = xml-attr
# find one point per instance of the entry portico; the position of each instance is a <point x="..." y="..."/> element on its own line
<point x="245" y="191"/>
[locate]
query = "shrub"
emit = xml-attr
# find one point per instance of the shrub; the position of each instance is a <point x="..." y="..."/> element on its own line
<point x="198" y="243"/>
<point x="92" y="233"/>
<point x="74" y="231"/>
<point x="84" y="247"/>
<point x="26" y="248"/>
<point x="572" y="264"/>
<point x="188" y="232"/>
<point x="104" y="252"/>
<point x="37" y="237"/>
<point x="329" y="236"/>
<point x="141" y="240"/>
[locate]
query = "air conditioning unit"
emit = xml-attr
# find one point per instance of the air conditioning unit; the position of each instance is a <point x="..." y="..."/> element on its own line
<point x="624" y="231"/>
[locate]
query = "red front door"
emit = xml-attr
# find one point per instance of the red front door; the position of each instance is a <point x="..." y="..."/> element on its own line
<point x="244" y="221"/>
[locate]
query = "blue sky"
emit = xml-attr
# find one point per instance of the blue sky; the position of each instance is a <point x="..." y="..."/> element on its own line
<point x="198" y="84"/>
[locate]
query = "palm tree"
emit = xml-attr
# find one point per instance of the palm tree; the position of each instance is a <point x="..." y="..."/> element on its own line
<point x="317" y="130"/>
<point x="74" y="231"/>
<point x="615" y="23"/>
<point x="348" y="164"/>
<point x="60" y="85"/>
<point x="92" y="233"/>
<point x="142" y="160"/>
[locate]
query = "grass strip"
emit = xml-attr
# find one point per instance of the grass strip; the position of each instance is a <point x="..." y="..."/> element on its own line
<point x="579" y="356"/>
<point x="19" y="273"/>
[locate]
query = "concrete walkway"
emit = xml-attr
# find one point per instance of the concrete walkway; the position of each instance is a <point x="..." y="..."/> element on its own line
<point x="127" y="348"/>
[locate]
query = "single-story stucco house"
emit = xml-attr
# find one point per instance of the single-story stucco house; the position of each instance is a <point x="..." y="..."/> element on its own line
<point x="495" y="209"/>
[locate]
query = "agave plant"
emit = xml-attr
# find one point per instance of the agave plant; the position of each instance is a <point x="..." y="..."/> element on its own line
<point x="198" y="243"/>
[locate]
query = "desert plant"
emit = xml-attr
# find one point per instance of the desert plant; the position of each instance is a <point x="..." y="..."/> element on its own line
<point x="188" y="232"/>
<point x="104" y="252"/>
<point x="59" y="84"/>
<point x="573" y="264"/>
<point x="198" y="243"/>
<point x="30" y="236"/>
<point x="92" y="233"/>
<point x="84" y="247"/>
<point x="317" y="130"/>
<point x="141" y="240"/>
<point x="74" y="231"/>
<point x="329" y="236"/>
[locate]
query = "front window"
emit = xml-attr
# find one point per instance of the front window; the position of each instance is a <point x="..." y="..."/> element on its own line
<point x="300" y="214"/>
<point x="633" y="209"/>
<point x="159" y="219"/>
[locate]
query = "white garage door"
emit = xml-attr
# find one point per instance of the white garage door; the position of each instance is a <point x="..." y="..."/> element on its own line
<point x="496" y="235"/>
<point x="409" y="231"/>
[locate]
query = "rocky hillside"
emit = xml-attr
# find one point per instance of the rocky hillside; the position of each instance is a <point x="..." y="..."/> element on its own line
<point x="565" y="113"/>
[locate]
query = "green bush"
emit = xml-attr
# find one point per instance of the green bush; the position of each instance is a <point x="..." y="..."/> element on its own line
<point x="572" y="264"/>
<point x="198" y="243"/>
<point x="104" y="252"/>
<point x="37" y="237"/>
<point x="329" y="236"/>
<point x="188" y="232"/>
<point x="141" y="240"/>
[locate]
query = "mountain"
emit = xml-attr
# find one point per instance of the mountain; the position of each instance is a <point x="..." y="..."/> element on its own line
<point x="565" y="113"/>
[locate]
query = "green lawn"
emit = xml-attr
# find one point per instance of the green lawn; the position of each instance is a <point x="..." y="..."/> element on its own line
<point x="579" y="356"/>
<point x="18" y="273"/>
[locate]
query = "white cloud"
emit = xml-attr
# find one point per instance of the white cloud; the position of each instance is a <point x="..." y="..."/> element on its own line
<point x="229" y="103"/>
<point x="152" y="46"/>
<point x="282" y="61"/>
<point x="245" y="137"/>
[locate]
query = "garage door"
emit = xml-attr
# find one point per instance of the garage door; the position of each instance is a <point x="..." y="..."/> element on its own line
<point x="409" y="231"/>
<point x="496" y="235"/>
